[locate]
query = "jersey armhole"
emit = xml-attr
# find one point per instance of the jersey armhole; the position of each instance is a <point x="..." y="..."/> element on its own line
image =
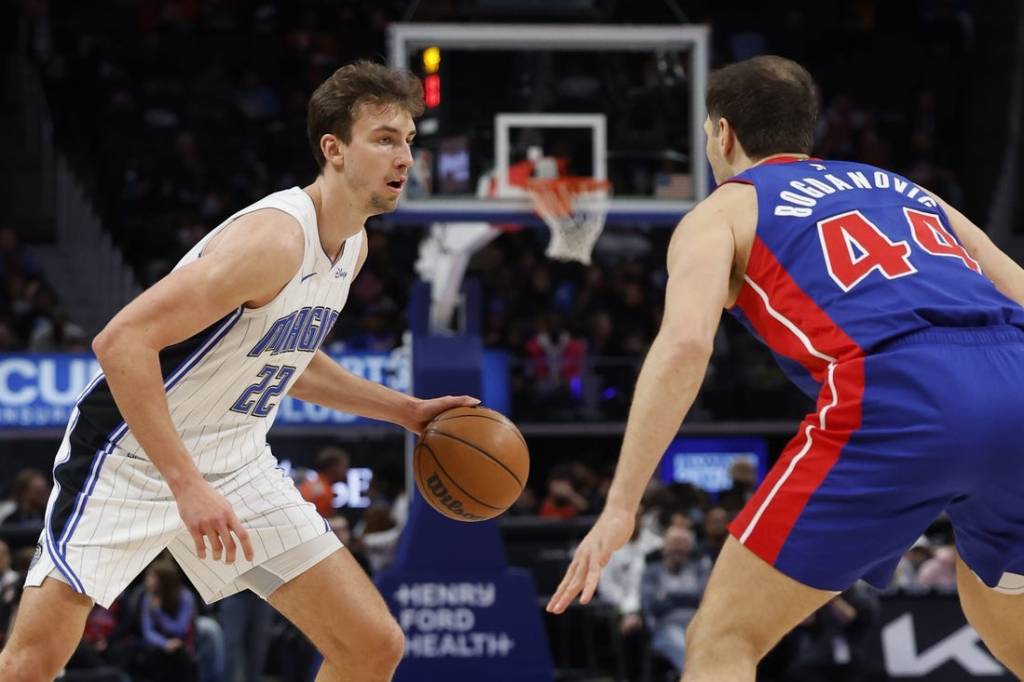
<point x="298" y="269"/>
<point x="757" y="220"/>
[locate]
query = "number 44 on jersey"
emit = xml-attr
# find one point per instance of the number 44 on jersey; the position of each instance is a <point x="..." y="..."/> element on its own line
<point x="854" y="246"/>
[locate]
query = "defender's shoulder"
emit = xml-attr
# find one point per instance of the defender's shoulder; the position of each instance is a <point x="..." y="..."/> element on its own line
<point x="728" y="201"/>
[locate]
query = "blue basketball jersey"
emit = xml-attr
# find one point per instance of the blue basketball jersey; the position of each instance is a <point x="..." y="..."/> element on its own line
<point x="859" y="286"/>
<point x="849" y="257"/>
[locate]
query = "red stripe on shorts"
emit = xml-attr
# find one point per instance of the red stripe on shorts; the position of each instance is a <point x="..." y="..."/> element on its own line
<point x="769" y="516"/>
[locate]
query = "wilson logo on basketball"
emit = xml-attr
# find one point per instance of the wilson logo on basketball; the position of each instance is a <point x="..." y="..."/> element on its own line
<point x="440" y="491"/>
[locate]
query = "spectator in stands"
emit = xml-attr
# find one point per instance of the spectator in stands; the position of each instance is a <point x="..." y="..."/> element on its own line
<point x="556" y="356"/>
<point x="671" y="589"/>
<point x="332" y="465"/>
<point x="632" y="314"/>
<point x="10" y="590"/>
<point x="14" y="257"/>
<point x="54" y="332"/>
<point x="8" y="338"/>
<point x="939" y="572"/>
<point x="716" y="532"/>
<point x="89" y="663"/>
<point x="27" y="502"/>
<point x="379" y="536"/>
<point x="340" y="526"/>
<point x="8" y="576"/>
<point x="620" y="581"/>
<point x="590" y="486"/>
<point x="905" y="575"/>
<point x="167" y="621"/>
<point x="743" y="473"/>
<point x="211" y="649"/>
<point x="831" y="644"/>
<point x="526" y="504"/>
<point x="245" y="619"/>
<point x="373" y="332"/>
<point x="620" y="587"/>
<point x="562" y="501"/>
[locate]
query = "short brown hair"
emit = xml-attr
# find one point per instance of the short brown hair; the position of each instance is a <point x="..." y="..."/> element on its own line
<point x="769" y="101"/>
<point x="334" y="106"/>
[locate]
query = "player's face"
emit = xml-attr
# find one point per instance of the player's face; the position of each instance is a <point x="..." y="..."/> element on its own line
<point x="378" y="159"/>
<point x="714" y="151"/>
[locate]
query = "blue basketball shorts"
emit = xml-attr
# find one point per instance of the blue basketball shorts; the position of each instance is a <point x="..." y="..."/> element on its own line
<point x="932" y="422"/>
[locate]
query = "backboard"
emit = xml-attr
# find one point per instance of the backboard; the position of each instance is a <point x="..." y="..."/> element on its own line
<point x="621" y="102"/>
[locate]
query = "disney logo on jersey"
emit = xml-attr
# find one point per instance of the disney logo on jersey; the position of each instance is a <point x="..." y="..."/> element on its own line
<point x="303" y="330"/>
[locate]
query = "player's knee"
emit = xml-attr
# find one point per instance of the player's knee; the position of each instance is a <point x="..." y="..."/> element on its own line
<point x="711" y="634"/>
<point x="378" y="647"/>
<point x="392" y="643"/>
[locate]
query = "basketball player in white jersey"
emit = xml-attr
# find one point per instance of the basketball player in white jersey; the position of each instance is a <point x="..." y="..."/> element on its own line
<point x="166" y="448"/>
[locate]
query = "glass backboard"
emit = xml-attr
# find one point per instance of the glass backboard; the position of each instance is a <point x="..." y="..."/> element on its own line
<point x="507" y="101"/>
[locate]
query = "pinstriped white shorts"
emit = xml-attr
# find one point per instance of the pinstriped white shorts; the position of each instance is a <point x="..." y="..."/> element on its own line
<point x="130" y="517"/>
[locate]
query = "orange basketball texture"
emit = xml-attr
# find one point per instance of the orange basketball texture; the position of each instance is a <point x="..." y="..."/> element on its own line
<point x="471" y="463"/>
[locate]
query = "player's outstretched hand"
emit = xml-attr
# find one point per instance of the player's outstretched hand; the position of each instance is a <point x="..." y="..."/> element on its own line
<point x="209" y="516"/>
<point x="425" y="410"/>
<point x="613" y="528"/>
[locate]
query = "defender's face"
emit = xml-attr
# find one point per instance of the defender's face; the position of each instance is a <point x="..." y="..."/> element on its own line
<point x="378" y="159"/>
<point x="719" y="168"/>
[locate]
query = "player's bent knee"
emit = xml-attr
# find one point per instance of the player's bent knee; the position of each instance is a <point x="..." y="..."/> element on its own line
<point x="708" y="633"/>
<point x="386" y="642"/>
<point x="393" y="643"/>
<point x="379" y="646"/>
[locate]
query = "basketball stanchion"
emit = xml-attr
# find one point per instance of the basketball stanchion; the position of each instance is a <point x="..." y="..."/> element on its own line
<point x="466" y="615"/>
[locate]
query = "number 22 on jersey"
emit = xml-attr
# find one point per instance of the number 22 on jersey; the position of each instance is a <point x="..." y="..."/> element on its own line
<point x="256" y="399"/>
<point x="854" y="247"/>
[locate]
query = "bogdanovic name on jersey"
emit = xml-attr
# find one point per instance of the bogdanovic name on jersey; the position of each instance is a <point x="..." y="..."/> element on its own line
<point x="301" y="330"/>
<point x="806" y="192"/>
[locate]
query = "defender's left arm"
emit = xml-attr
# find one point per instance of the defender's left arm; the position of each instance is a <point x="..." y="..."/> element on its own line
<point x="327" y="383"/>
<point x="1004" y="272"/>
<point x="700" y="262"/>
<point x="700" y="258"/>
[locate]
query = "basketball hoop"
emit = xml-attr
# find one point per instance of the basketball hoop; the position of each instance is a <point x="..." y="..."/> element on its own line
<point x="575" y="209"/>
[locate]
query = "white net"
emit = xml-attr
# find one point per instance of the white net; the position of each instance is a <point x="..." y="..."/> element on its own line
<point x="575" y="209"/>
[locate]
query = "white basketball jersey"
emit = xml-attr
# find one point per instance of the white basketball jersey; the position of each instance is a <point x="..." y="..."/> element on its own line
<point x="224" y="385"/>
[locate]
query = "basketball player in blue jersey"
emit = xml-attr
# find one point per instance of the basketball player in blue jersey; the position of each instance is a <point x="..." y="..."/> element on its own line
<point x="899" y="316"/>
<point x="166" y="448"/>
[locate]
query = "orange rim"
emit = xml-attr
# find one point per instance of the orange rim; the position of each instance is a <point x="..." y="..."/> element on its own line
<point x="555" y="195"/>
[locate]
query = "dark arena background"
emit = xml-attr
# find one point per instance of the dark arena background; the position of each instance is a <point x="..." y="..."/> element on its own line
<point x="129" y="129"/>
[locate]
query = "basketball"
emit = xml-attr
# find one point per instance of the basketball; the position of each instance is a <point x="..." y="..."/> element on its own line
<point x="471" y="463"/>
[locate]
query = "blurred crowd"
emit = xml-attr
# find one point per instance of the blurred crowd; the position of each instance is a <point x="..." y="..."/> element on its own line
<point x="197" y="109"/>
<point x="159" y="630"/>
<point x="31" y="317"/>
<point x="654" y="584"/>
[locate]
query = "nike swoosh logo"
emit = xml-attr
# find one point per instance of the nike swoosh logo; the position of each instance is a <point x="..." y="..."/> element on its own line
<point x="307" y="277"/>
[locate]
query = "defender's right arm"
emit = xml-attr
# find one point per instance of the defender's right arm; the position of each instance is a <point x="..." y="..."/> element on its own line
<point x="996" y="265"/>
<point x="247" y="263"/>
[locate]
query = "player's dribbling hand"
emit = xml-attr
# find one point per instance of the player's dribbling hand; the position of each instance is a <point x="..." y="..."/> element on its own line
<point x="209" y="516"/>
<point x="613" y="528"/>
<point x="424" y="411"/>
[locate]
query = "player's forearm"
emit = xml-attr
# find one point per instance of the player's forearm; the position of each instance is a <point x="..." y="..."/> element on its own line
<point x="327" y="383"/>
<point x="136" y="383"/>
<point x="667" y="386"/>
